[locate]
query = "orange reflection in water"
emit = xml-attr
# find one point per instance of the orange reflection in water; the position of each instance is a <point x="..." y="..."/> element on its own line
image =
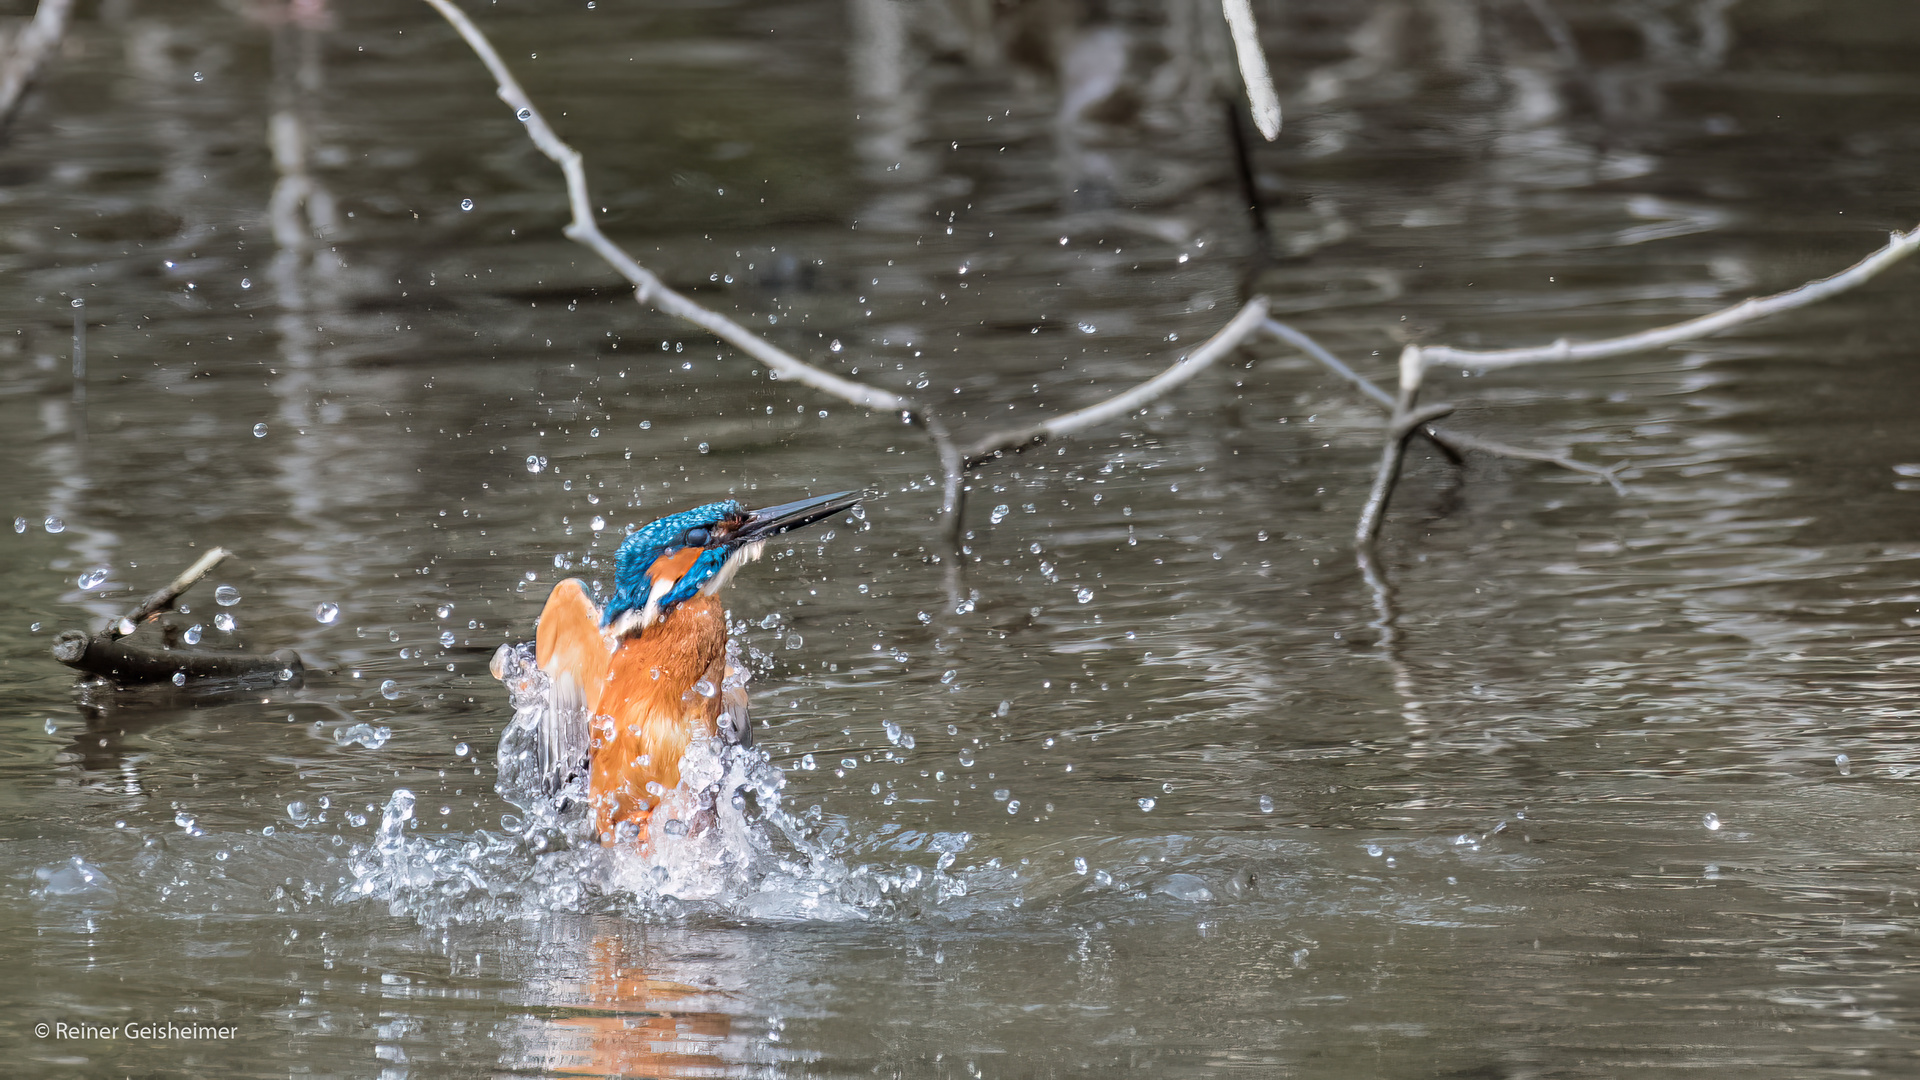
<point x="625" y="1024"/>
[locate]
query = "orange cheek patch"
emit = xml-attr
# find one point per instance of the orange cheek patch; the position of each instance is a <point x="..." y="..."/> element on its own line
<point x="675" y="566"/>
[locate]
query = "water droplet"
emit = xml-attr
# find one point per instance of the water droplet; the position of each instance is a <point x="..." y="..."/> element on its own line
<point x="1001" y="795"/>
<point x="461" y="749"/>
<point x="224" y="621"/>
<point x="1712" y="822"/>
<point x="199" y="76"/>
<point x="93" y="579"/>
<point x="893" y="731"/>
<point x="1013" y="807"/>
<point x="373" y="738"/>
<point x="246" y="283"/>
<point x="446" y="639"/>
<point x="1266" y="804"/>
<point x="192" y="635"/>
<point x="297" y="810"/>
<point x="807" y="762"/>
<point x="1000" y="513"/>
<point x="226" y="596"/>
<point x="966" y="759"/>
<point x="1844" y="764"/>
<point x="259" y="431"/>
<point x="443" y="611"/>
<point x="184" y="820"/>
<point x="1079" y="865"/>
<point x="389" y="689"/>
<point x="54" y="525"/>
<point x="51" y="726"/>
<point x="1083" y="594"/>
<point x="524" y="115"/>
<point x="849" y="763"/>
<point x="535" y="463"/>
<point x="1145" y="804"/>
<point x="326" y="613"/>
<point x="466" y="204"/>
<point x="179" y="678"/>
<point x="835" y="346"/>
<point x="19" y="524"/>
<point x="906" y="741"/>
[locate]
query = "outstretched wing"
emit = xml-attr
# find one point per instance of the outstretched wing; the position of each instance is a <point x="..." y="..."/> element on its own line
<point x="569" y="647"/>
<point x="569" y="640"/>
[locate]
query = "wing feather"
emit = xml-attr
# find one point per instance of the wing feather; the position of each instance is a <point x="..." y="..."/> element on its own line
<point x="569" y="647"/>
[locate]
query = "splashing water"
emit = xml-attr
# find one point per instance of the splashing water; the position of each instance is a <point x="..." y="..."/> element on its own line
<point x="720" y="843"/>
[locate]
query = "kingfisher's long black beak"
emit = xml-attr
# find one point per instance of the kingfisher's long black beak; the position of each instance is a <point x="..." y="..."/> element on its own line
<point x="774" y="520"/>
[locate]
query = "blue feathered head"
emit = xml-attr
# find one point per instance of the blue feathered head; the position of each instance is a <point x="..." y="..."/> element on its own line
<point x="683" y="555"/>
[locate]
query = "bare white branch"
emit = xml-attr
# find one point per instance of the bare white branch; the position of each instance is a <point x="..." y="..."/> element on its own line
<point x="1899" y="246"/>
<point x="29" y="51"/>
<point x="648" y="288"/>
<point x="1253" y="67"/>
<point x="1238" y="329"/>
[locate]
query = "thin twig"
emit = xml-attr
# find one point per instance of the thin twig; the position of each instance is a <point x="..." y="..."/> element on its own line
<point x="30" y="50"/>
<point x="1253" y="67"/>
<point x="1460" y="440"/>
<point x="1237" y="330"/>
<point x="1327" y="360"/>
<point x="648" y="288"/>
<point x="1899" y="245"/>
<point x="161" y="601"/>
<point x="1451" y="442"/>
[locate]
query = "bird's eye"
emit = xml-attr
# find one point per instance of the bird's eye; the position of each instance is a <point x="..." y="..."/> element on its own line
<point x="695" y="537"/>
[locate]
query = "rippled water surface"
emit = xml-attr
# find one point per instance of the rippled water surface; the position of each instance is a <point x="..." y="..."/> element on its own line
<point x="1606" y="785"/>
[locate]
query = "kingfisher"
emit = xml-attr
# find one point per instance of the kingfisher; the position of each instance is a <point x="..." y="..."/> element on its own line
<point x="634" y="682"/>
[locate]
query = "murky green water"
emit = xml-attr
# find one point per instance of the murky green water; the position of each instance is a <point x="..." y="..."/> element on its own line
<point x="1626" y="792"/>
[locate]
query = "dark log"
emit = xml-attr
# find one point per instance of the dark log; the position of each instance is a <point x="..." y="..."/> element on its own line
<point x="124" y="662"/>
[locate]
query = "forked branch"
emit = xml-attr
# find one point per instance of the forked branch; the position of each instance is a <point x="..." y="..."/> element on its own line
<point x="649" y="289"/>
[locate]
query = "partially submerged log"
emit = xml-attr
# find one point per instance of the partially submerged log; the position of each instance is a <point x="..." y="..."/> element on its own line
<point x="109" y="654"/>
<point x="123" y="662"/>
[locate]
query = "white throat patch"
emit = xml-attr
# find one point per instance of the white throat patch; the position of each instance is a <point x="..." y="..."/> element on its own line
<point x="742" y="555"/>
